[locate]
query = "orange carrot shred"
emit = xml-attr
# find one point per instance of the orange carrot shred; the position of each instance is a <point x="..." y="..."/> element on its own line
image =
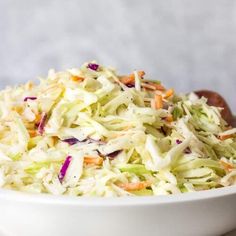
<point x="169" y="118"/>
<point x="37" y="118"/>
<point x="54" y="140"/>
<point x="227" y="166"/>
<point x="158" y="101"/>
<point x="135" y="186"/>
<point x="93" y="160"/>
<point x="127" y="80"/>
<point x="17" y="109"/>
<point x="169" y="93"/>
<point x="158" y="86"/>
<point x="76" y="78"/>
<point x="148" y="86"/>
<point x="153" y="86"/>
<point x="32" y="133"/>
<point x="130" y="79"/>
<point x="224" y="137"/>
<point x="141" y="73"/>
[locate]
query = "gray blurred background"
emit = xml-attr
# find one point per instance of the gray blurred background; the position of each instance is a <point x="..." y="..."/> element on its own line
<point x="186" y="44"/>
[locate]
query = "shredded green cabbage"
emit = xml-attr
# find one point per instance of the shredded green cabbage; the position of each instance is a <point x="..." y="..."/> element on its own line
<point x="121" y="142"/>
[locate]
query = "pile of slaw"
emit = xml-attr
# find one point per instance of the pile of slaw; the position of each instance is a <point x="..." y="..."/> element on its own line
<point x="90" y="132"/>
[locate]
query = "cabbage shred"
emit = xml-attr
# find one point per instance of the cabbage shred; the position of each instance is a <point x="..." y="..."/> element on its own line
<point x="119" y="140"/>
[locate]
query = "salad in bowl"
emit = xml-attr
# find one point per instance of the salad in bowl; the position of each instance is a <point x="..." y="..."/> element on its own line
<point x="89" y="131"/>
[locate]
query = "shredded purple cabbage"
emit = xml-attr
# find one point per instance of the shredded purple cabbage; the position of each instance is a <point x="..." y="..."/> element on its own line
<point x="93" y="66"/>
<point x="64" y="168"/>
<point x="42" y="123"/>
<point x="111" y="155"/>
<point x="187" y="150"/>
<point x="71" y="141"/>
<point x="178" y="141"/>
<point x="29" y="98"/>
<point x="130" y="85"/>
<point x="114" y="154"/>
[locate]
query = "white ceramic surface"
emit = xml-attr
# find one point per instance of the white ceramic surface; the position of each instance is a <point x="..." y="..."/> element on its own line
<point x="205" y="213"/>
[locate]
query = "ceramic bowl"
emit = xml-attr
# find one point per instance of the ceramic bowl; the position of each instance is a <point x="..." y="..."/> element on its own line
<point x="205" y="213"/>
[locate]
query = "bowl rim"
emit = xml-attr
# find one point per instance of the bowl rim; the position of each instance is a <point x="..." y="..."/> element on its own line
<point x="49" y="199"/>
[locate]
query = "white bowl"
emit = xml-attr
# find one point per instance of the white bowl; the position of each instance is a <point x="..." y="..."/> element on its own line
<point x="210" y="212"/>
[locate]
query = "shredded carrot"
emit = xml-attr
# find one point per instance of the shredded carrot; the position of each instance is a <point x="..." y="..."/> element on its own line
<point x="140" y="74"/>
<point x="127" y="80"/>
<point x="135" y="186"/>
<point x="93" y="160"/>
<point x="54" y="140"/>
<point x="224" y="137"/>
<point x="169" y="93"/>
<point x="153" y="86"/>
<point x="18" y="109"/>
<point x="130" y="79"/>
<point x="227" y="166"/>
<point x="148" y="86"/>
<point x="169" y="118"/>
<point x="76" y="78"/>
<point x="32" y="133"/>
<point x="158" y="86"/>
<point x="158" y="101"/>
<point x="37" y="118"/>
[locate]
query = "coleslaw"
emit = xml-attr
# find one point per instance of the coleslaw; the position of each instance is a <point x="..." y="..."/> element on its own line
<point x="90" y="132"/>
